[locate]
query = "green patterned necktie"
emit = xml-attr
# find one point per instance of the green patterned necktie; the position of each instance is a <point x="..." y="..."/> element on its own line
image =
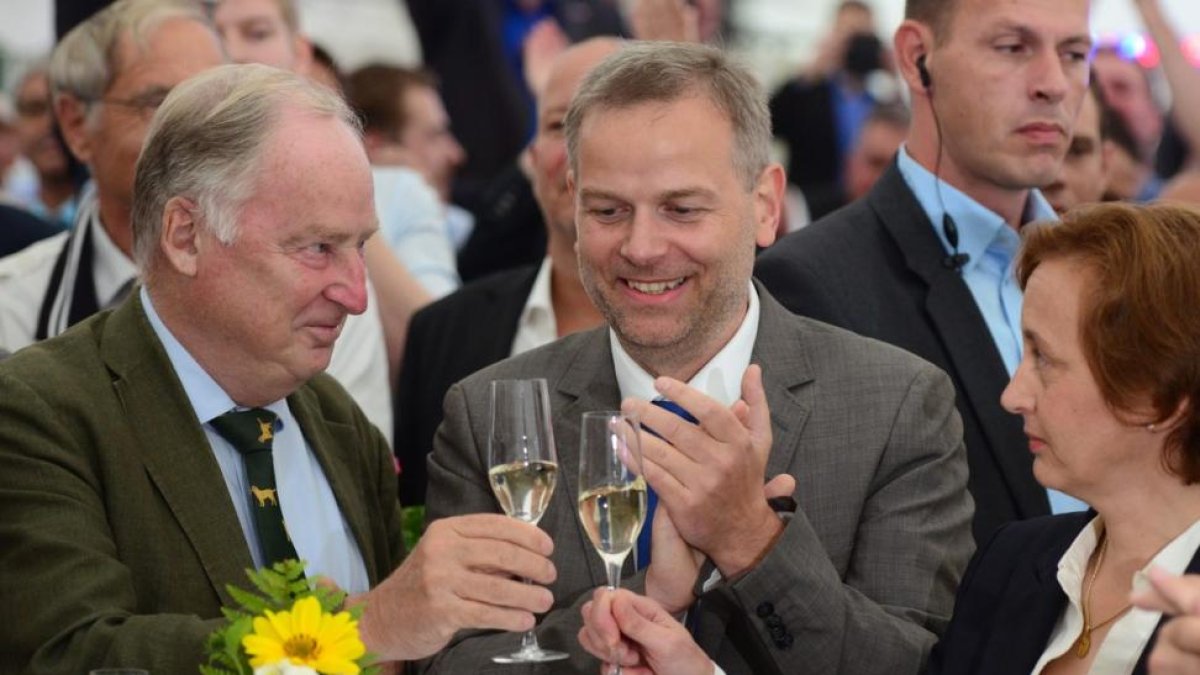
<point x="251" y="433"/>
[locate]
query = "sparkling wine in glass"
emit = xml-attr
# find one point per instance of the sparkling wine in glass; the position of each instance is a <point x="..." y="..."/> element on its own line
<point x="522" y="467"/>
<point x="612" y="492"/>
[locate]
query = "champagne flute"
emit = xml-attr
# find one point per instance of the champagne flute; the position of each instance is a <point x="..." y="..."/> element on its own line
<point x="522" y="467"/>
<point x="612" y="492"/>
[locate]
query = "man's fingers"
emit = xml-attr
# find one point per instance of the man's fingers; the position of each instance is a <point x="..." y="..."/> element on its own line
<point x="504" y="592"/>
<point x="783" y="485"/>
<point x="688" y="439"/>
<point x="641" y="619"/>
<point x="714" y="418"/>
<point x="758" y="412"/>
<point x="1172" y="594"/>
<point x="497" y="526"/>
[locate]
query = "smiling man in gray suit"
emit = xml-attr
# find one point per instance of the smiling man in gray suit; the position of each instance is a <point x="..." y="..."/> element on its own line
<point x="668" y="152"/>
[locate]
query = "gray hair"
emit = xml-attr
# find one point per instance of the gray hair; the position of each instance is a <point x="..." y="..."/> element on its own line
<point x="84" y="62"/>
<point x="206" y="143"/>
<point x="663" y="72"/>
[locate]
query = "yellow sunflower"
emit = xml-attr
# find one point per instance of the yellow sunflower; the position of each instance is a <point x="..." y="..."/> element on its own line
<point x="306" y="636"/>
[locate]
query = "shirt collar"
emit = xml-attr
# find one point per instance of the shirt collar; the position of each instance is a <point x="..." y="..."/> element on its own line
<point x="207" y="397"/>
<point x="979" y="228"/>
<point x="539" y="301"/>
<point x="720" y="378"/>
<point x="1174" y="558"/>
<point x="111" y="268"/>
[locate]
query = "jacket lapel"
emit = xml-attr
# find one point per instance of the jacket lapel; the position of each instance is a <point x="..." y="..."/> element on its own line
<point x="587" y="383"/>
<point x="780" y="350"/>
<point x="981" y="375"/>
<point x="177" y="456"/>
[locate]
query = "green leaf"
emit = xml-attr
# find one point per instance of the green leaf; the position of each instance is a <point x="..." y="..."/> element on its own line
<point x="412" y="525"/>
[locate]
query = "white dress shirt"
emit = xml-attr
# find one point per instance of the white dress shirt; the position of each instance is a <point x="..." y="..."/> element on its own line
<point x="537" y="324"/>
<point x="414" y="222"/>
<point x="25" y="277"/>
<point x="720" y="378"/>
<point x="1127" y="638"/>
<point x="319" y="533"/>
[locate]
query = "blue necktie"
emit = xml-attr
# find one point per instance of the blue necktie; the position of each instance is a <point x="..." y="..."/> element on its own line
<point x="643" y="542"/>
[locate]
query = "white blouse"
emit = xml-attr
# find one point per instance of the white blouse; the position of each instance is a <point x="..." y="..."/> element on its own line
<point x="1125" y="641"/>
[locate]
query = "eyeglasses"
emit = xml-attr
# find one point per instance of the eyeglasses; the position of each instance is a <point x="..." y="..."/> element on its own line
<point x="144" y="104"/>
<point x="32" y="107"/>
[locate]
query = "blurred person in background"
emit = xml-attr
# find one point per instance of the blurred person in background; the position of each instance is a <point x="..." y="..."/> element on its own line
<point x="1082" y="178"/>
<point x="57" y="186"/>
<point x="104" y="109"/>
<point x="509" y="312"/>
<point x="882" y="135"/>
<point x="324" y="68"/>
<point x="1184" y="187"/>
<point x="1127" y="175"/>
<point x="1126" y="89"/>
<point x="476" y="49"/>
<point x="819" y="117"/>
<point x="262" y="31"/>
<point x="413" y="159"/>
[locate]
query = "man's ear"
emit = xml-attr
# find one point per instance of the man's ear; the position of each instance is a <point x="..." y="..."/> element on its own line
<point x="912" y="44"/>
<point x="72" y="116"/>
<point x="768" y="204"/>
<point x="179" y="239"/>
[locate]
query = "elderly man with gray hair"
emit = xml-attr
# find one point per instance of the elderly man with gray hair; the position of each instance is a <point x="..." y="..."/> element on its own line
<point x="137" y="446"/>
<point x="108" y="75"/>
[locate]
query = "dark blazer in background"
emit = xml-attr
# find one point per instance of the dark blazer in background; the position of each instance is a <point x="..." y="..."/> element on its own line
<point x="802" y="117"/>
<point x="119" y="536"/>
<point x="862" y="578"/>
<point x="462" y="41"/>
<point x="448" y="340"/>
<point x="509" y="229"/>
<point x="875" y="267"/>
<point x="1010" y="600"/>
<point x="19" y="228"/>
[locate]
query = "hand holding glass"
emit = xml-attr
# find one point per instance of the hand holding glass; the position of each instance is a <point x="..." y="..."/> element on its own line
<point x="522" y="467"/>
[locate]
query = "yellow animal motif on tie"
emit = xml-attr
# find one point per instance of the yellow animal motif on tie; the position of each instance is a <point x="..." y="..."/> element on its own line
<point x="265" y="428"/>
<point x="264" y="495"/>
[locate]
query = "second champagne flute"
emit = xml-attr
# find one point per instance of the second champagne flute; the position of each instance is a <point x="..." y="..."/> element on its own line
<point x="522" y="467"/>
<point x="612" y="492"/>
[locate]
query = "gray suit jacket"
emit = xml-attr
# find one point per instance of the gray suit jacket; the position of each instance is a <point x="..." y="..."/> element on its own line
<point x="862" y="578"/>
<point x="118" y="536"/>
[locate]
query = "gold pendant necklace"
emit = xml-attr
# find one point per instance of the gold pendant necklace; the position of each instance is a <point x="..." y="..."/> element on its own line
<point x="1083" y="643"/>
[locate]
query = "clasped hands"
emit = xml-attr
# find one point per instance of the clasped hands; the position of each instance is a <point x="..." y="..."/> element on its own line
<point x="712" y="503"/>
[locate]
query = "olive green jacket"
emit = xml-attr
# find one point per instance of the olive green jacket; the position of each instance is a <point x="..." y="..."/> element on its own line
<point x="118" y="535"/>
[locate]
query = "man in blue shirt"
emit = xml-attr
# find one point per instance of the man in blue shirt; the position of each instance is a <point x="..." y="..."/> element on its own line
<point x="925" y="260"/>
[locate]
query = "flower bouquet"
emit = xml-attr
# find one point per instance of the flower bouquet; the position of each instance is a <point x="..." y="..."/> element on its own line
<point x="291" y="626"/>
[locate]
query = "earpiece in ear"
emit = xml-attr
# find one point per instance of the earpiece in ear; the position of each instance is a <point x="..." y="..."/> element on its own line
<point x="923" y="71"/>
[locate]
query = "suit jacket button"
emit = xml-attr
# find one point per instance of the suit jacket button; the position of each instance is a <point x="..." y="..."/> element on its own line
<point x="765" y="609"/>
<point x="774" y="621"/>
<point x="785" y="642"/>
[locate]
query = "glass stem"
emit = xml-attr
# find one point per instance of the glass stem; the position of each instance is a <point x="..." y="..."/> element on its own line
<point x="529" y="642"/>
<point x="613" y="567"/>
